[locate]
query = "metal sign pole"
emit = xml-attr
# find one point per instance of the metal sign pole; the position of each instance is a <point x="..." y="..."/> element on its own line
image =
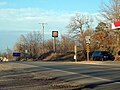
<point x="87" y="50"/>
<point x="87" y="56"/>
<point x="54" y="44"/>
<point x="54" y="35"/>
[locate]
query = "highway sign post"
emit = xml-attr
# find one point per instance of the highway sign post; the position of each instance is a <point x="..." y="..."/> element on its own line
<point x="54" y="35"/>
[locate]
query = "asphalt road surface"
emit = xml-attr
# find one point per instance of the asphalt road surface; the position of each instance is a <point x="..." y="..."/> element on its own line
<point x="94" y="76"/>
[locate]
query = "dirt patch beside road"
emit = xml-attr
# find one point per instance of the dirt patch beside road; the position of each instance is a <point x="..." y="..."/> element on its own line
<point x="17" y="78"/>
<point x="11" y="66"/>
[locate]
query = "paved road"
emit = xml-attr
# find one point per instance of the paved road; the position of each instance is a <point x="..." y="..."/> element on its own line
<point x="94" y="76"/>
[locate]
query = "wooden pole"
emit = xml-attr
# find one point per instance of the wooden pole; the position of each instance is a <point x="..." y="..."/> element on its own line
<point x="75" y="48"/>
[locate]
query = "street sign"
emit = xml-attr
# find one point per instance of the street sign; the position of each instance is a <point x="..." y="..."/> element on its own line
<point x="54" y="33"/>
<point x="116" y="25"/>
<point x="26" y="51"/>
<point x="16" y="54"/>
<point x="87" y="39"/>
<point x="87" y="48"/>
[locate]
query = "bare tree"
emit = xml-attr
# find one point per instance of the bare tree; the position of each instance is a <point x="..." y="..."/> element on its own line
<point x="79" y="24"/>
<point x="111" y="12"/>
<point x="66" y="44"/>
<point x="32" y="42"/>
<point x="9" y="54"/>
<point x="48" y="45"/>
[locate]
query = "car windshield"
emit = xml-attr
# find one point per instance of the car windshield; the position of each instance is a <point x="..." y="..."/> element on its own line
<point x="105" y="53"/>
<point x="96" y="53"/>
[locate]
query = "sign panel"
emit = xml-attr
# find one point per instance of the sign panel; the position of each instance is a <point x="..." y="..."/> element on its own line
<point x="54" y="33"/>
<point x="87" y="39"/>
<point x="16" y="54"/>
<point x="87" y="48"/>
<point x="26" y="51"/>
<point x="116" y="25"/>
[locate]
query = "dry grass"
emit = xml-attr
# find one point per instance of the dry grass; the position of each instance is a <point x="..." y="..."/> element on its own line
<point x="117" y="58"/>
<point x="11" y="66"/>
<point x="15" y="76"/>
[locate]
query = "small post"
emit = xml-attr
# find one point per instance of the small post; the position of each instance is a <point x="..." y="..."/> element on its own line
<point x="75" y="56"/>
<point x="26" y="53"/>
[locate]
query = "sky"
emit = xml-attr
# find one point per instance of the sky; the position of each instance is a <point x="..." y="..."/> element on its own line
<point x="21" y="16"/>
<point x="67" y="5"/>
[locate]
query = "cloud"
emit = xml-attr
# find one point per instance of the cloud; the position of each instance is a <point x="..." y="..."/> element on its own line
<point x="26" y="18"/>
<point x="29" y="19"/>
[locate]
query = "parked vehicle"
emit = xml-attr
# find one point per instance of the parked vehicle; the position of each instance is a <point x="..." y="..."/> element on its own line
<point x="102" y="56"/>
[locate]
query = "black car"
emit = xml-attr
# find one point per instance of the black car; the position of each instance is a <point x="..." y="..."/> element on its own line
<point x="102" y="56"/>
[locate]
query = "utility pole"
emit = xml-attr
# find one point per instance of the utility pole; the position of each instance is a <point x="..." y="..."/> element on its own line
<point x="43" y="27"/>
